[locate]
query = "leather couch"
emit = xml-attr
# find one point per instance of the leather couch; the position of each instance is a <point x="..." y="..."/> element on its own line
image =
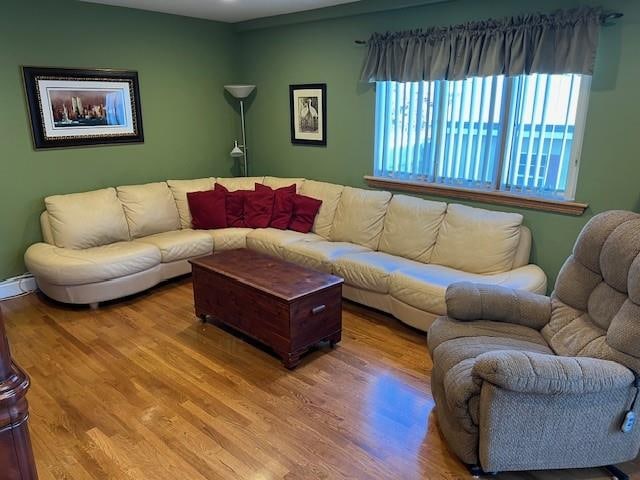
<point x="397" y="253"/>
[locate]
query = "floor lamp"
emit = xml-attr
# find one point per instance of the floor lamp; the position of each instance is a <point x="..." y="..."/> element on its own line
<point x="241" y="92"/>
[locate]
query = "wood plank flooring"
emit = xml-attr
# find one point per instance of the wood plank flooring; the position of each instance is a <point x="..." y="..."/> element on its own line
<point x="140" y="389"/>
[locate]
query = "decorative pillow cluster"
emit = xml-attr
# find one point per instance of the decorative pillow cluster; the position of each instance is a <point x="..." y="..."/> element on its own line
<point x="263" y="207"/>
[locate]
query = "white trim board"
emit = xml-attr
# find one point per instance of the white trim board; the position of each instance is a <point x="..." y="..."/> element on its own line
<point x="17" y="286"/>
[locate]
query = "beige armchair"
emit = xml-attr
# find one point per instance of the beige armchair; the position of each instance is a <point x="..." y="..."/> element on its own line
<point x="526" y="382"/>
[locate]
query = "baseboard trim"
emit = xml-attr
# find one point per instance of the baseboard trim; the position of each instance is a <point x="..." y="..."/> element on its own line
<point x="17" y="286"/>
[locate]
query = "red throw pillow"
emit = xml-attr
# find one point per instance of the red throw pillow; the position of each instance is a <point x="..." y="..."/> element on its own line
<point x="258" y="206"/>
<point x="282" y="205"/>
<point x="305" y="210"/>
<point x="234" y="205"/>
<point x="207" y="209"/>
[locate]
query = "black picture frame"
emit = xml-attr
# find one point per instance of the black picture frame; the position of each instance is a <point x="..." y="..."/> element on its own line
<point x="83" y="127"/>
<point x="308" y="132"/>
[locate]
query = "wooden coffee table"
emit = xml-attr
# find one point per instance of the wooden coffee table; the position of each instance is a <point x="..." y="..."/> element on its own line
<point x="283" y="305"/>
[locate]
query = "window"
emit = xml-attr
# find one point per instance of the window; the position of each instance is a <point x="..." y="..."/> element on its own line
<point x="515" y="134"/>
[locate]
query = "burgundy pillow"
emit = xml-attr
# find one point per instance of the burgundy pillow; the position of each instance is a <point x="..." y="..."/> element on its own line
<point x="207" y="209"/>
<point x="234" y="205"/>
<point x="258" y="206"/>
<point x="305" y="210"/>
<point x="282" y="205"/>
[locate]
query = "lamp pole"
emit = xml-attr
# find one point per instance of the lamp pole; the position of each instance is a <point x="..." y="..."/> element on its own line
<point x="241" y="92"/>
<point x="244" y="140"/>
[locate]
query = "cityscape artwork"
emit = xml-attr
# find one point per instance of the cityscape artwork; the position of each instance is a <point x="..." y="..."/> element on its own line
<point x="72" y="107"/>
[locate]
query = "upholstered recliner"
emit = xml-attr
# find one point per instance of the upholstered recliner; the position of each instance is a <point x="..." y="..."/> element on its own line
<point x="522" y="381"/>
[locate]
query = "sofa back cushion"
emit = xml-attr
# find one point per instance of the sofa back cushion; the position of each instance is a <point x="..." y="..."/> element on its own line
<point x="277" y="182"/>
<point x="239" y="183"/>
<point x="149" y="209"/>
<point x="180" y="188"/>
<point x="360" y="217"/>
<point x="330" y="194"/>
<point x="85" y="220"/>
<point x="411" y="227"/>
<point x="476" y="240"/>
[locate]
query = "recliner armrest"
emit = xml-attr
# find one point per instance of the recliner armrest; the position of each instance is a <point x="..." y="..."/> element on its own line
<point x="549" y="374"/>
<point x="473" y="301"/>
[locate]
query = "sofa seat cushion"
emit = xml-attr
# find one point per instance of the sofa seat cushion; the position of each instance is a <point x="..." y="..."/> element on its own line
<point x="64" y="266"/>
<point x="180" y="244"/>
<point x="319" y="255"/>
<point x="229" y="238"/>
<point x="424" y="286"/>
<point x="272" y="240"/>
<point x="369" y="270"/>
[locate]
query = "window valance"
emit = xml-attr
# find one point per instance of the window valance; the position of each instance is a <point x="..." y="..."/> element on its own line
<point x="561" y="42"/>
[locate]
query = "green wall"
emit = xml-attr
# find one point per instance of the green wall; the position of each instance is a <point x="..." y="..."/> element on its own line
<point x="322" y="50"/>
<point x="188" y="122"/>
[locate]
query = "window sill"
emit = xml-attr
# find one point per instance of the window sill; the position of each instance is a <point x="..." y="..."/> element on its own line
<point x="498" y="198"/>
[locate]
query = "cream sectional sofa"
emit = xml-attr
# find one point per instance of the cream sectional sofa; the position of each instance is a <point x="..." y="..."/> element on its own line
<point x="396" y="253"/>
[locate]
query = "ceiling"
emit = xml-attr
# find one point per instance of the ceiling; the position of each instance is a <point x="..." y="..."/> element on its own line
<point x="224" y="10"/>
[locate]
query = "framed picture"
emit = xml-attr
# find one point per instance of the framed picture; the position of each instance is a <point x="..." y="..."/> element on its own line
<point x="308" y="107"/>
<point x="77" y="107"/>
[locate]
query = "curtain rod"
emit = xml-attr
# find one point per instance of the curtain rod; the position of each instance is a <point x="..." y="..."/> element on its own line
<point x="603" y="18"/>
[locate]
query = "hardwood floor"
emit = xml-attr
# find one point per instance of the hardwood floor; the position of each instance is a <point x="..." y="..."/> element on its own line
<point x="140" y="389"/>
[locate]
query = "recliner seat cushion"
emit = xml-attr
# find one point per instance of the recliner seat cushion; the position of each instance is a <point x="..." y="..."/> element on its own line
<point x="85" y="220"/>
<point x="149" y="209"/>
<point x="64" y="266"/>
<point x="477" y="240"/>
<point x="180" y="244"/>
<point x="454" y="347"/>
<point x="360" y="217"/>
<point x="453" y="369"/>
<point x="330" y="195"/>
<point x="411" y="227"/>
<point x="179" y="190"/>
<point x="271" y="241"/>
<point x="319" y="255"/>
<point x="369" y="270"/>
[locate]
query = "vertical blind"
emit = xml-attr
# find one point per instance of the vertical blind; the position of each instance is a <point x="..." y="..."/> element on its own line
<point x="519" y="134"/>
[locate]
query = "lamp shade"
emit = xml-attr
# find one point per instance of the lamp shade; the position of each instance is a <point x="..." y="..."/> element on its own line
<point x="240" y="91"/>
<point x="237" y="151"/>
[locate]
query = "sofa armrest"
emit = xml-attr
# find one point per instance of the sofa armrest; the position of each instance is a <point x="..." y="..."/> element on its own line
<point x="538" y="373"/>
<point x="473" y="301"/>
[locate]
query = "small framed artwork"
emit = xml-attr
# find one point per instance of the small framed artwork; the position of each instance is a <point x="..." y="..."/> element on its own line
<point x="78" y="107"/>
<point x="308" y="107"/>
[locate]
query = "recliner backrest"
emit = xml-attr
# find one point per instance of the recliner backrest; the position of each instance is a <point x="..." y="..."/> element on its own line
<point x="596" y="301"/>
